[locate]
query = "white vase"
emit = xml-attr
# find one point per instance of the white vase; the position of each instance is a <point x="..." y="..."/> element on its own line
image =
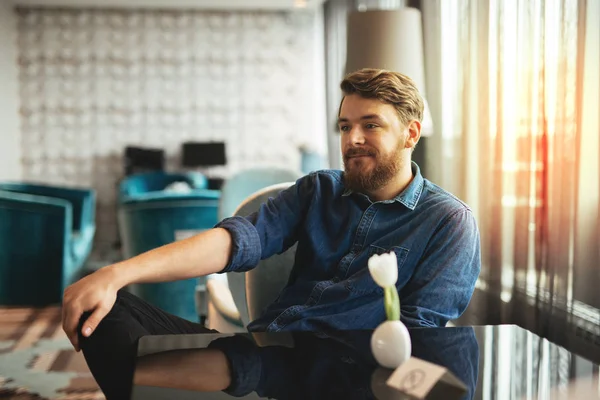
<point x="390" y="344"/>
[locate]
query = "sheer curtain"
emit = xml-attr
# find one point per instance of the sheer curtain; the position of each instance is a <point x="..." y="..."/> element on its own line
<point x="513" y="88"/>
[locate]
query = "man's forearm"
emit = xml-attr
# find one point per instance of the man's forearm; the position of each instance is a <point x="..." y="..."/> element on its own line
<point x="202" y="254"/>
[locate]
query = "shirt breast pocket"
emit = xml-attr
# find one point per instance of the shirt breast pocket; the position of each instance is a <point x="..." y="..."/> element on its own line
<point x="361" y="282"/>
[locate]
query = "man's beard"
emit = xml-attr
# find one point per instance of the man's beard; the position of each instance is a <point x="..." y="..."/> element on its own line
<point x="386" y="168"/>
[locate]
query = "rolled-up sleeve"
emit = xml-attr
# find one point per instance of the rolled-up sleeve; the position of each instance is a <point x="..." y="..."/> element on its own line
<point x="271" y="230"/>
<point x="444" y="280"/>
<point x="245" y="252"/>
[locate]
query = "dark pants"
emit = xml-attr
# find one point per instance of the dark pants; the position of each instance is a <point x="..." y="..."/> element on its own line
<point x="110" y="351"/>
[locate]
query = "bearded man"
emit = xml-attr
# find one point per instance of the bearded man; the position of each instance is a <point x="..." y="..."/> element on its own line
<point x="380" y="203"/>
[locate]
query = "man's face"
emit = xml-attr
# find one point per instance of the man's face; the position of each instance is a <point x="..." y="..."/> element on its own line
<point x="373" y="141"/>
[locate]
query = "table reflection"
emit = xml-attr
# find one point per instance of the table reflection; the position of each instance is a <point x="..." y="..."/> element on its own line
<point x="296" y="365"/>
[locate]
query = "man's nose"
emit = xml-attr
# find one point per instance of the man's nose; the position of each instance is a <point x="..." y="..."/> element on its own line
<point x="356" y="136"/>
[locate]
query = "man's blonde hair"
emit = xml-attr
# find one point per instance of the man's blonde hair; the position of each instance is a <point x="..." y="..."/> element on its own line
<point x="389" y="87"/>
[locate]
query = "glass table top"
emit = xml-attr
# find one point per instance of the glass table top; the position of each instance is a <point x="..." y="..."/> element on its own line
<point x="493" y="362"/>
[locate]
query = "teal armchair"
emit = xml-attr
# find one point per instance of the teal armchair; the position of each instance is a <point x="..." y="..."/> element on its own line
<point x="150" y="217"/>
<point x="46" y="235"/>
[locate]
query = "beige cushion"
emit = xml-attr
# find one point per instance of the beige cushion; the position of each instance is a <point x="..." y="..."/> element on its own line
<point x="220" y="296"/>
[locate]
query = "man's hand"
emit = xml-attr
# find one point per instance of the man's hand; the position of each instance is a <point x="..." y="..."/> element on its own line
<point x="96" y="293"/>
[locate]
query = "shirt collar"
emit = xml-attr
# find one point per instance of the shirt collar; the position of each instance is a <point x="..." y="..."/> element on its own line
<point x="410" y="195"/>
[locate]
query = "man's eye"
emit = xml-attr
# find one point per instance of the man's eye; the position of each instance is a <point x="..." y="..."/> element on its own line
<point x="371" y="126"/>
<point x="344" y="128"/>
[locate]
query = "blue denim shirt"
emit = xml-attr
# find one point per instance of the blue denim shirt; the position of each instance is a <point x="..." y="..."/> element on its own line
<point x="433" y="234"/>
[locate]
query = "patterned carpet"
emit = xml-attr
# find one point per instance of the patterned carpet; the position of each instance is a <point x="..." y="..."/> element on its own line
<point x="37" y="360"/>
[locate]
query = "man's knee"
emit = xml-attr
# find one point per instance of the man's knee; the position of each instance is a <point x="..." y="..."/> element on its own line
<point x="124" y="295"/>
<point x="121" y="295"/>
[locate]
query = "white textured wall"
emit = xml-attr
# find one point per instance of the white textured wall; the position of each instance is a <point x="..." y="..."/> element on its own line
<point x="10" y="140"/>
<point x="94" y="81"/>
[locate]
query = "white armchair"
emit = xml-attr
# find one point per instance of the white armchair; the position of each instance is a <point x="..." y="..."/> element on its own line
<point x="244" y="296"/>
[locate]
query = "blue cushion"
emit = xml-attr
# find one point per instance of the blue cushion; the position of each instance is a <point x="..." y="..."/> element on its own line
<point x="81" y="242"/>
<point x="138" y="184"/>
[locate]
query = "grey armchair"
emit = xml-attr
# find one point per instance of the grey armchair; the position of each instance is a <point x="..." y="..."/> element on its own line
<point x="231" y="309"/>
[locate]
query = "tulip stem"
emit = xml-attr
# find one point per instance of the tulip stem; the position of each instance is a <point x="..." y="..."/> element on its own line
<point x="392" y="303"/>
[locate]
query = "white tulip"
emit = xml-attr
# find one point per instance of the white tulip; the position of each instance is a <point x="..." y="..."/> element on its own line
<point x="384" y="269"/>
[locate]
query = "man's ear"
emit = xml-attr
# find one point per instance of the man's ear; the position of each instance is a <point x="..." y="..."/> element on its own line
<point x="414" y="134"/>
